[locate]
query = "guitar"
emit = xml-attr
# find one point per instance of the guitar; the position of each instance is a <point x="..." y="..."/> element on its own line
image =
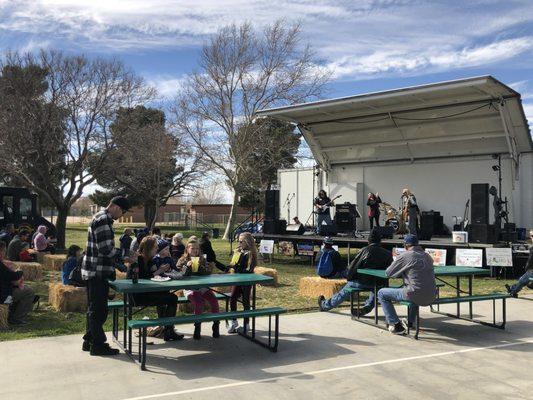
<point x="465" y="221"/>
<point x="325" y="207"/>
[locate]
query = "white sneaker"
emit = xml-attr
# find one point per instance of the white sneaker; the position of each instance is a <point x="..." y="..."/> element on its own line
<point x="243" y="329"/>
<point x="8" y="300"/>
<point x="233" y="326"/>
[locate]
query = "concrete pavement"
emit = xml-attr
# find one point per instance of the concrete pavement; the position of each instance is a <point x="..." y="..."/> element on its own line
<point x="320" y="355"/>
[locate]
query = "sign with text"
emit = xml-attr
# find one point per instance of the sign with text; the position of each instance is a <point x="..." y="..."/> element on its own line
<point x="499" y="257"/>
<point x="306" y="249"/>
<point x="266" y="246"/>
<point x="438" y="256"/>
<point x="469" y="258"/>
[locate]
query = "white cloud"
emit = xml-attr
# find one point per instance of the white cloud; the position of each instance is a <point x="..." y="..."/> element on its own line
<point x="167" y="86"/>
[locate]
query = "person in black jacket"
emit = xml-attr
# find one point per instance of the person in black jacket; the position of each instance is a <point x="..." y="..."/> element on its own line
<point x="373" y="209"/>
<point x="372" y="256"/>
<point x="207" y="249"/>
<point x="524" y="280"/>
<point x="145" y="267"/>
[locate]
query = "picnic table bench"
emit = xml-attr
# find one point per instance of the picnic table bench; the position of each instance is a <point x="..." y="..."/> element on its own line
<point x="461" y="296"/>
<point x="128" y="288"/>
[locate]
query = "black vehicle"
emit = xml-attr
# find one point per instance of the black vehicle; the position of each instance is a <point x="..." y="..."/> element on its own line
<point x="20" y="207"/>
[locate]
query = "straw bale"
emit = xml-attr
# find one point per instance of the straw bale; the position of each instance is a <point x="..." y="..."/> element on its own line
<point x="67" y="298"/>
<point x="54" y="262"/>
<point x="33" y="271"/>
<point x="4" y="313"/>
<point x="314" y="286"/>
<point x="268" y="272"/>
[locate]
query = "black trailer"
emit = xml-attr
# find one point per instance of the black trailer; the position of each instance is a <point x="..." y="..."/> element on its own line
<point x="20" y="207"/>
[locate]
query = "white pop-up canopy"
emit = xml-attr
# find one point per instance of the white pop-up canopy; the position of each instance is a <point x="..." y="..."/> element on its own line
<point x="467" y="117"/>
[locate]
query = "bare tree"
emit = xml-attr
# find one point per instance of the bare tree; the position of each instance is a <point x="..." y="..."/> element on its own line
<point x="209" y="193"/>
<point x="55" y="114"/>
<point x="241" y="72"/>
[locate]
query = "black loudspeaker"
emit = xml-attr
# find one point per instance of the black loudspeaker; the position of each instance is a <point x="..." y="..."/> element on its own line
<point x="481" y="233"/>
<point x="386" y="232"/>
<point x="479" y="203"/>
<point x="327" y="230"/>
<point x="295" y="229"/>
<point x="427" y="226"/>
<point x="271" y="204"/>
<point x="345" y="217"/>
<point x="274" y="226"/>
<point x="509" y="236"/>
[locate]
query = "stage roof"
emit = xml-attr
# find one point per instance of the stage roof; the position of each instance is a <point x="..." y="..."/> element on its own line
<point x="467" y="117"/>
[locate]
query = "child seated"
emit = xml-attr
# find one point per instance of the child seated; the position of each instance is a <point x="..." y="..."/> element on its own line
<point x="194" y="260"/>
<point x="73" y="256"/>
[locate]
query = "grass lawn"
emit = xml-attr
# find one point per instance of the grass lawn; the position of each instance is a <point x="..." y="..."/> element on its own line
<point x="48" y="322"/>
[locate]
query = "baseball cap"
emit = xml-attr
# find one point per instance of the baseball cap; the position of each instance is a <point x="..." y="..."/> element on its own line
<point x="410" y="239"/>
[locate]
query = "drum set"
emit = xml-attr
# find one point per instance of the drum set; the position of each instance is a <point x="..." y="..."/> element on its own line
<point x="393" y="218"/>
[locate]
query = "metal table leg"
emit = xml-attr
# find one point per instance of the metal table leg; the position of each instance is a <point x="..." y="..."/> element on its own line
<point x="253" y="308"/>
<point x="458" y="290"/>
<point x="470" y="278"/>
<point x="375" y="301"/>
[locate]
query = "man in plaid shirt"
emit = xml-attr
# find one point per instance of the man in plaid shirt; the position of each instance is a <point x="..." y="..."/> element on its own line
<point x="98" y="268"/>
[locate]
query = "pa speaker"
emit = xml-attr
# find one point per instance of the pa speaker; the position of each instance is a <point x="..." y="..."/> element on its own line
<point x="271" y="204"/>
<point x="481" y="233"/>
<point x="327" y="230"/>
<point x="427" y="226"/>
<point x="479" y="203"/>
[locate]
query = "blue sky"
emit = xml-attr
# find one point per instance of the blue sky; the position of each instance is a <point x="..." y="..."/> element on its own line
<point x="368" y="45"/>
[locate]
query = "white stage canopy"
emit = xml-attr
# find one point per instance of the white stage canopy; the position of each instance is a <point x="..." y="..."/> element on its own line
<point x="461" y="118"/>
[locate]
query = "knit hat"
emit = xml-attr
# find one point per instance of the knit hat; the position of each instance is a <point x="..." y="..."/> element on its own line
<point x="410" y="239"/>
<point x="161" y="245"/>
<point x="122" y="202"/>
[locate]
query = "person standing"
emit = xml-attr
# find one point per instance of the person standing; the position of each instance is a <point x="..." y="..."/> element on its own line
<point x="373" y="208"/>
<point x="416" y="268"/>
<point x="322" y="203"/>
<point x="125" y="242"/>
<point x="98" y="267"/>
<point x="410" y="211"/>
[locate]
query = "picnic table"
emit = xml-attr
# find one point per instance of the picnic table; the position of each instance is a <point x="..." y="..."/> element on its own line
<point x="461" y="296"/>
<point x="128" y="288"/>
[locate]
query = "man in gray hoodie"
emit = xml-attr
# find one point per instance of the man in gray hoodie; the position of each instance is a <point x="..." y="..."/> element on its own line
<point x="416" y="268"/>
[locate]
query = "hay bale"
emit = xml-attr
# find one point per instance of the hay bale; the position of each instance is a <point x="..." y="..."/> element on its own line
<point x="268" y="272"/>
<point x="54" y="262"/>
<point x="67" y="298"/>
<point x="314" y="286"/>
<point x="33" y="271"/>
<point x="4" y="313"/>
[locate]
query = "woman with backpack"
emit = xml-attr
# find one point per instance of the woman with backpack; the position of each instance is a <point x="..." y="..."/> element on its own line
<point x="329" y="263"/>
<point x="73" y="256"/>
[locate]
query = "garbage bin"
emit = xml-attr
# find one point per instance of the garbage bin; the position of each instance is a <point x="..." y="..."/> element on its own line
<point x="216" y="233"/>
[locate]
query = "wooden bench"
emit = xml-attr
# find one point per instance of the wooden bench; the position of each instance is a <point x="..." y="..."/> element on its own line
<point x="118" y="305"/>
<point x="143" y="324"/>
<point x="465" y="299"/>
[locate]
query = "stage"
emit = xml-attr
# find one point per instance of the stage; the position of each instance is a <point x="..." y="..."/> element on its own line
<point x="350" y="242"/>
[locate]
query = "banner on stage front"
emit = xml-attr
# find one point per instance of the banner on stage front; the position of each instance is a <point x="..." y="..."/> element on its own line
<point x="438" y="256"/>
<point x="306" y="249"/>
<point x="499" y="257"/>
<point x="469" y="258"/>
<point x="396" y="251"/>
<point x="266" y="246"/>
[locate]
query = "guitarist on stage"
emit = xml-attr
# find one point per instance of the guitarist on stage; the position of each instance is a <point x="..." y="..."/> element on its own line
<point x="410" y="211"/>
<point x="322" y="204"/>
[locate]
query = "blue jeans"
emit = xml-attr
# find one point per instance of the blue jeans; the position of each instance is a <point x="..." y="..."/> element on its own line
<point x="522" y="281"/>
<point x="344" y="295"/>
<point x="386" y="296"/>
<point x="323" y="217"/>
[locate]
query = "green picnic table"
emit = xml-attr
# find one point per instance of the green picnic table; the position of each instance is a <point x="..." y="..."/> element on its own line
<point x="449" y="270"/>
<point x="128" y="288"/>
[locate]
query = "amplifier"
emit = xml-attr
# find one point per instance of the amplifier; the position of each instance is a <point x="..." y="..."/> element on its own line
<point x="295" y="229"/>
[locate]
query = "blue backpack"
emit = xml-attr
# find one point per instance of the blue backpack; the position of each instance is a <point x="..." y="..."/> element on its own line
<point x="324" y="266"/>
